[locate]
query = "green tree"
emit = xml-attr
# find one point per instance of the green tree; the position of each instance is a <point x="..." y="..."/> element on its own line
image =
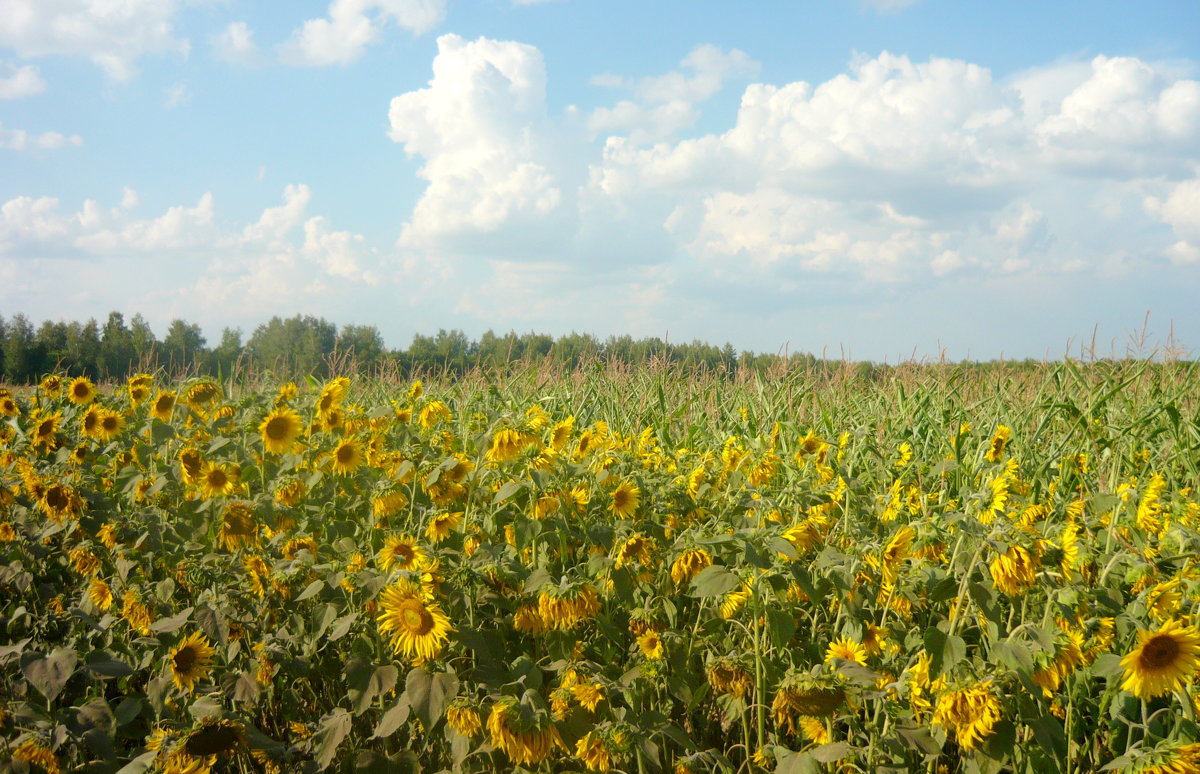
<point x="362" y="343"/>
<point x="144" y="343"/>
<point x="83" y="349"/>
<point x="117" y="356"/>
<point x="296" y="345"/>
<point x="183" y="345"/>
<point x="224" y="356"/>
<point x="21" y="356"/>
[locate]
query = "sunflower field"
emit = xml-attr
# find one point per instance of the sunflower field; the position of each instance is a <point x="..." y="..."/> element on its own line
<point x="945" y="569"/>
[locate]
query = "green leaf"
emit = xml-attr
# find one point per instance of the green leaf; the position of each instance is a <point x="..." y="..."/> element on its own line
<point x="780" y="626"/>
<point x="140" y="764"/>
<point x="50" y="674"/>
<point x="392" y="719"/>
<point x="919" y="739"/>
<point x="427" y="694"/>
<point x="367" y="682"/>
<point x="341" y="626"/>
<point x="172" y="623"/>
<point x="103" y="664"/>
<point x="944" y="651"/>
<point x="311" y="590"/>
<point x="713" y="581"/>
<point x="334" y="728"/>
<point x="212" y="622"/>
<point x="828" y="753"/>
<point x="508" y="490"/>
<point x="1108" y="666"/>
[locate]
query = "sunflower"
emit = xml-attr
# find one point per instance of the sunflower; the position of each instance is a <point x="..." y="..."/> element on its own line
<point x="1162" y="660"/>
<point x="526" y="734"/>
<point x="651" y="644"/>
<point x="507" y="445"/>
<point x="1014" y="572"/>
<point x="90" y="421"/>
<point x="201" y="395"/>
<point x="217" y="480"/>
<point x="8" y="406"/>
<point x="164" y="404"/>
<point x="727" y="676"/>
<point x="137" y="615"/>
<point x="895" y="552"/>
<point x="52" y="385"/>
<point x="402" y="551"/>
<point x="564" y="609"/>
<point x="688" y="564"/>
<point x="347" y="456"/>
<point x="81" y="391"/>
<point x="291" y="492"/>
<point x="999" y="442"/>
<point x="100" y="594"/>
<point x="45" y="433"/>
<point x="238" y="527"/>
<point x="279" y="430"/>
<point x="847" y="650"/>
<point x="625" y="499"/>
<point x="636" y="548"/>
<point x="215" y="737"/>
<point x="442" y="525"/>
<point x="805" y="695"/>
<point x="419" y="629"/>
<point x="111" y="424"/>
<point x="190" y="661"/>
<point x="970" y="715"/>
<point x="734" y="601"/>
<point x="332" y="395"/>
<point x="463" y="716"/>
<point x="38" y="755"/>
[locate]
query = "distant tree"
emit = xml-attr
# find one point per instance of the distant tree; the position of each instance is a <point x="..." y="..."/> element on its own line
<point x="83" y="349"/>
<point x="117" y="356"/>
<point x="3" y="335"/>
<point x="144" y="343"/>
<point x="221" y="359"/>
<point x="52" y="345"/>
<point x="183" y="345"/>
<point x="20" y="351"/>
<point x="362" y="343"/>
<point x="298" y="344"/>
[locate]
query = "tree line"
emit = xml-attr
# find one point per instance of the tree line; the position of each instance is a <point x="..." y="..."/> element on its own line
<point x="312" y="345"/>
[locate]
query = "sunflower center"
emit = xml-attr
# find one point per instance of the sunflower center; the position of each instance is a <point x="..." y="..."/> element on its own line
<point x="346" y="454"/>
<point x="109" y="424"/>
<point x="1159" y="652"/>
<point x="184" y="660"/>
<point x="404" y="554"/>
<point x="277" y="429"/>
<point x="415" y="618"/>
<point x="217" y="479"/>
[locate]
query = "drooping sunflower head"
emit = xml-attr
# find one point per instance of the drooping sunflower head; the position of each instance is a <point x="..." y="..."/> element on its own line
<point x="969" y="714"/>
<point x="190" y="661"/>
<point x="1162" y="661"/>
<point x="215" y="737"/>
<point x="51" y="386"/>
<point x="441" y="525"/>
<point x="688" y="564"/>
<point x="202" y="395"/>
<point x="239" y="529"/>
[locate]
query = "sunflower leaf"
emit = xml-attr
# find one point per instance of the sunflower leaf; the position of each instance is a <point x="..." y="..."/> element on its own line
<point x="334" y="728"/>
<point x="392" y="719"/>
<point x="50" y="674"/>
<point x="713" y="581"/>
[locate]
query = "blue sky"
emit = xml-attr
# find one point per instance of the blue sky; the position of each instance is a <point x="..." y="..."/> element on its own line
<point x="876" y="179"/>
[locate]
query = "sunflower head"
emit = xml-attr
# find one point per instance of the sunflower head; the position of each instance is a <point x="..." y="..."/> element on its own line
<point x="280" y="429"/>
<point x="190" y="661"/>
<point x="81" y="391"/>
<point x="1162" y="661"/>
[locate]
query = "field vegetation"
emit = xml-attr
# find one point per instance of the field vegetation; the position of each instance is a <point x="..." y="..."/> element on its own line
<point x="611" y="567"/>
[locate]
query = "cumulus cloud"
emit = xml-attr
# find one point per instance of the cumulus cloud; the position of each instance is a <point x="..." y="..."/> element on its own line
<point x="352" y="25"/>
<point x="19" y="139"/>
<point x="236" y="44"/>
<point x="662" y="105"/>
<point x="488" y="147"/>
<point x="17" y="82"/>
<point x="113" y="35"/>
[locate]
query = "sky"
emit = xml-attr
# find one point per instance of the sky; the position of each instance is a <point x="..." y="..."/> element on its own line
<point x="871" y="179"/>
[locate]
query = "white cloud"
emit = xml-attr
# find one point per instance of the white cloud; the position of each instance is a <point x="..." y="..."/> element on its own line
<point x="22" y="81"/>
<point x="352" y="25"/>
<point x="665" y="104"/>
<point x="235" y="44"/>
<point x="489" y="150"/>
<point x="111" y="34"/>
<point x="177" y="94"/>
<point x="19" y="139"/>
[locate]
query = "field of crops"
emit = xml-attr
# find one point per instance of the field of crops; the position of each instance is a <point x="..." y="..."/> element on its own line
<point x="942" y="568"/>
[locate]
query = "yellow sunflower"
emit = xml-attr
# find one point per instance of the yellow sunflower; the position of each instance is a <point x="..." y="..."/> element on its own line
<point x="100" y="594"/>
<point x="279" y="430"/>
<point x="81" y="391"/>
<point x="463" y="717"/>
<point x="52" y="386"/>
<point x="847" y="649"/>
<point x="190" y="661"/>
<point x="442" y="525"/>
<point x="625" y="499"/>
<point x="401" y="551"/>
<point x="419" y="629"/>
<point x="216" y="480"/>
<point x="164" y="404"/>
<point x="111" y="424"/>
<point x="970" y="715"/>
<point x="651" y="644"/>
<point x="239" y="529"/>
<point x="1162" y="660"/>
<point x="527" y="735"/>
<point x="685" y="567"/>
<point x="347" y="457"/>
